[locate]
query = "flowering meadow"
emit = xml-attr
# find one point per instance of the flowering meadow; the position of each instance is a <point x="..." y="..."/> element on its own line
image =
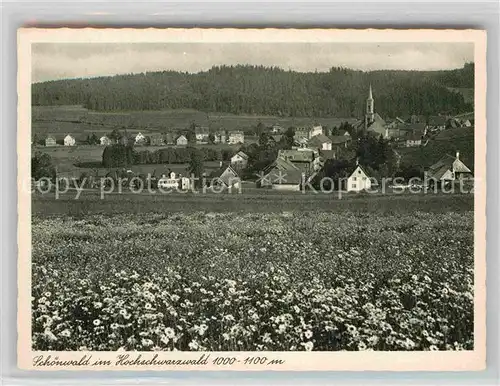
<point x="252" y="282"/>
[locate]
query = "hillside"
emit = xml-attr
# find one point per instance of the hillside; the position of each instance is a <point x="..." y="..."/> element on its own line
<point x="258" y="90"/>
<point x="446" y="142"/>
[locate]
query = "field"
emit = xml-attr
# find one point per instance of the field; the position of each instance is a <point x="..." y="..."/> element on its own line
<point x="78" y="121"/>
<point x="249" y="200"/>
<point x="336" y="280"/>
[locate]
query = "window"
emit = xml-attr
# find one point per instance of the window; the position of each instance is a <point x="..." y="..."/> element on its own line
<point x="364" y="178"/>
<point x="354" y="178"/>
<point x="354" y="186"/>
<point x="359" y="171"/>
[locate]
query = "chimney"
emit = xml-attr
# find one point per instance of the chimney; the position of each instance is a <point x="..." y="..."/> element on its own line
<point x="357" y="161"/>
<point x="458" y="155"/>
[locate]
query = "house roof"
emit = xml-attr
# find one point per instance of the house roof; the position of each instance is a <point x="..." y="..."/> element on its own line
<point x="297" y="155"/>
<point x="50" y="137"/>
<point x="284" y="171"/>
<point x="340" y="139"/>
<point x="69" y="135"/>
<point x="242" y="155"/>
<point x="447" y="162"/>
<point x="327" y="154"/>
<point x="453" y="122"/>
<point x="181" y="137"/>
<point x="236" y="132"/>
<point x="319" y="140"/>
<point x="356" y="168"/>
<point x="225" y="174"/>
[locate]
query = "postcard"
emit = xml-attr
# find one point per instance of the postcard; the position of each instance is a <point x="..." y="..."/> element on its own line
<point x="252" y="199"/>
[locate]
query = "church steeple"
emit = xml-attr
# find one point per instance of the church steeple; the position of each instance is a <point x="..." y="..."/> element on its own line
<point x="369" y="115"/>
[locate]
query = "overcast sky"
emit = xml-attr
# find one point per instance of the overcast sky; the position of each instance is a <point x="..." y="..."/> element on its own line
<point x="74" y="60"/>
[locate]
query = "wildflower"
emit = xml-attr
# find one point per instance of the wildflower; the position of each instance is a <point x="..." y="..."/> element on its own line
<point x="361" y="346"/>
<point x="47" y="294"/>
<point x="309" y="346"/>
<point x="96" y="322"/>
<point x="65" y="333"/>
<point x="97" y="305"/>
<point x="169" y="333"/>
<point x="433" y="348"/>
<point x="308" y="334"/>
<point x="193" y="345"/>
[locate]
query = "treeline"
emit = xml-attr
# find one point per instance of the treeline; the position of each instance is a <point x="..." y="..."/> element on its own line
<point x="125" y="155"/>
<point x="267" y="91"/>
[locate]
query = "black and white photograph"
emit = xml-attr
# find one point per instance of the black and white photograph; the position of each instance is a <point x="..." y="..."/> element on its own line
<point x="257" y="196"/>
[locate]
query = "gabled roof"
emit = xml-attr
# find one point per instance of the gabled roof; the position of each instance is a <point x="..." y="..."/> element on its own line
<point x="236" y="132"/>
<point x="224" y="174"/>
<point x="242" y="155"/>
<point x="284" y="170"/>
<point x="181" y="136"/>
<point x="69" y="135"/>
<point x="50" y="137"/>
<point x="360" y="167"/>
<point x="319" y="140"/>
<point x="447" y="162"/>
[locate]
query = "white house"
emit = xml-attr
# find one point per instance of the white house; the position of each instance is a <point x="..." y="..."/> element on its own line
<point x="358" y="180"/>
<point x="105" y="141"/>
<point x="69" y="141"/>
<point x="140" y="139"/>
<point x="315" y="130"/>
<point x="239" y="160"/>
<point x="236" y="136"/>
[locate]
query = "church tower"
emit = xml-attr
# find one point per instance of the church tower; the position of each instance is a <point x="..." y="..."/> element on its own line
<point x="369" y="115"/>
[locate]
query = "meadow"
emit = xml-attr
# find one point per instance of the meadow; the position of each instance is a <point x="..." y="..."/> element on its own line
<point x="61" y="120"/>
<point x="196" y="281"/>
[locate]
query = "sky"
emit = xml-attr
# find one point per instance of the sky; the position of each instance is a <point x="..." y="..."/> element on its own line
<point x="51" y="61"/>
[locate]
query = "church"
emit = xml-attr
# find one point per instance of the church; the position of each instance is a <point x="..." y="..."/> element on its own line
<point x="372" y="122"/>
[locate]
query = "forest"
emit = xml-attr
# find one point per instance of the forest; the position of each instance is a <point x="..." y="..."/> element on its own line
<point x="263" y="90"/>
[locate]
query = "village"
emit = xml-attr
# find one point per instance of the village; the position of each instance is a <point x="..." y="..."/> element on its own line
<point x="295" y="165"/>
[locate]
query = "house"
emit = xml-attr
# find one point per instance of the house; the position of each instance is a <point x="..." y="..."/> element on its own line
<point x="225" y="177"/>
<point x="50" y="141"/>
<point x="277" y="129"/>
<point x="201" y="133"/>
<point x="301" y="135"/>
<point x="466" y="123"/>
<point x="69" y="141"/>
<point x="105" y="141"/>
<point x="315" y="130"/>
<point x="181" y="140"/>
<point x="306" y="160"/>
<point x="413" y="140"/>
<point x="220" y="136"/>
<point x="236" y="136"/>
<point x="320" y="142"/>
<point x="447" y="169"/>
<point x="156" y="139"/>
<point x="169" y="139"/>
<point x="340" y="141"/>
<point x="306" y="133"/>
<point x="358" y="180"/>
<point x="168" y="181"/>
<point x="239" y="160"/>
<point x="140" y="139"/>
<point x="436" y="123"/>
<point x="282" y="174"/>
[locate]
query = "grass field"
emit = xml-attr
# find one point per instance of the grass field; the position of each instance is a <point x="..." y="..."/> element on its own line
<point x="61" y="120"/>
<point x="312" y="280"/>
<point x="249" y="201"/>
